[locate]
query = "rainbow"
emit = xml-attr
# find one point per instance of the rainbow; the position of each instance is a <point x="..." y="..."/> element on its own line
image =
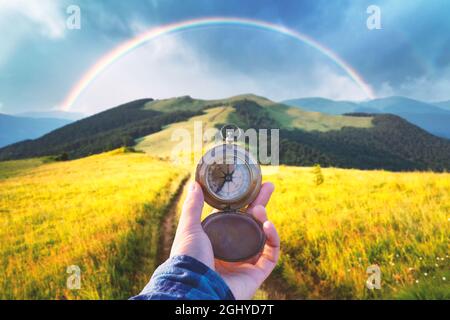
<point x="118" y="52"/>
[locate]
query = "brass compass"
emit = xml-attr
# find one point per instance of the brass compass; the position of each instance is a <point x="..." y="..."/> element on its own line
<point x="231" y="179"/>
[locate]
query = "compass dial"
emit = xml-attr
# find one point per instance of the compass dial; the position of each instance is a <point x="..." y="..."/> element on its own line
<point x="228" y="181"/>
<point x="230" y="177"/>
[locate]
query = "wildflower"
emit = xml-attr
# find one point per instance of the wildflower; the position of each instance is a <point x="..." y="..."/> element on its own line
<point x="444" y="278"/>
<point x="417" y="281"/>
<point x="436" y="265"/>
<point x="425" y="274"/>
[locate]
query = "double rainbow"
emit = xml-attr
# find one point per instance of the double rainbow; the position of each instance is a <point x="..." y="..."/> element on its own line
<point x="153" y="33"/>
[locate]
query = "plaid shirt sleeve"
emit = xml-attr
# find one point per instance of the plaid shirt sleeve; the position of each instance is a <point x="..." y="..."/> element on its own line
<point x="183" y="277"/>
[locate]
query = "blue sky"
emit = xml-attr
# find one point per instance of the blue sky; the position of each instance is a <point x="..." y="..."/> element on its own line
<point x="41" y="60"/>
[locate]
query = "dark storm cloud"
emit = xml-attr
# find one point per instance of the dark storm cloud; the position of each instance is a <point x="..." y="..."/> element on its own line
<point x="39" y="63"/>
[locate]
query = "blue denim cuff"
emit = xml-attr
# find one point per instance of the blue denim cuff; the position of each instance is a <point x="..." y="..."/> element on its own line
<point x="185" y="278"/>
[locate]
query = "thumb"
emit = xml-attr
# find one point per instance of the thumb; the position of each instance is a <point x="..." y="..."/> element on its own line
<point x="192" y="207"/>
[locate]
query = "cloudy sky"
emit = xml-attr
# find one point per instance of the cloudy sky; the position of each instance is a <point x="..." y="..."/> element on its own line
<point x="41" y="60"/>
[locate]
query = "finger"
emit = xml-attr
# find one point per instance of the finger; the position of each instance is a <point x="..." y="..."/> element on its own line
<point x="264" y="195"/>
<point x="272" y="237"/>
<point x="271" y="251"/>
<point x="259" y="213"/>
<point x="192" y="207"/>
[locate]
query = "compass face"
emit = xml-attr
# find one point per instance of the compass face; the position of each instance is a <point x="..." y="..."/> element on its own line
<point x="230" y="177"/>
<point x="228" y="181"/>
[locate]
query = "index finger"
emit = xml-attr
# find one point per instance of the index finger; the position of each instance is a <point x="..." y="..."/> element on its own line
<point x="264" y="195"/>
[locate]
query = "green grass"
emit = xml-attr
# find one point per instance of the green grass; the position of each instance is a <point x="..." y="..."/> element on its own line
<point x="429" y="287"/>
<point x="288" y="117"/>
<point x="10" y="169"/>
<point x="291" y="117"/>
<point x="184" y="103"/>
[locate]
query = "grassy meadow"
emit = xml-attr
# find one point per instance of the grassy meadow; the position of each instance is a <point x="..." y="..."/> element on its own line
<point x="103" y="213"/>
<point x="332" y="231"/>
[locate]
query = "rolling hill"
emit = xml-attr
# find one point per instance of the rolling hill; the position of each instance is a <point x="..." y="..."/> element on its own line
<point x="14" y="128"/>
<point x="401" y="105"/>
<point x="323" y="105"/>
<point x="434" y="118"/>
<point x="104" y="131"/>
<point x="375" y="141"/>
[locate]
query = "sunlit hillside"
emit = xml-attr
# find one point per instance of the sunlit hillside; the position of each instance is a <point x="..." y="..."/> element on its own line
<point x="164" y="142"/>
<point x="287" y="116"/>
<point x="12" y="168"/>
<point x="101" y="213"/>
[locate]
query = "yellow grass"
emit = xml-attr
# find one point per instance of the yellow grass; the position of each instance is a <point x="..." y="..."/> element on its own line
<point x="101" y="213"/>
<point x="161" y="143"/>
<point x="12" y="168"/>
<point x="331" y="233"/>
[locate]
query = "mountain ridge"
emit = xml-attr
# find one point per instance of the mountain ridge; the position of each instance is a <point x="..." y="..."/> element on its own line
<point x="365" y="141"/>
<point x="433" y="117"/>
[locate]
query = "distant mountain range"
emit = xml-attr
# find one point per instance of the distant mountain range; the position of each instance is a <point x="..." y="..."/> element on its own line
<point x="73" y="116"/>
<point x="433" y="117"/>
<point x="14" y="128"/>
<point x="375" y="141"/>
<point x="443" y="104"/>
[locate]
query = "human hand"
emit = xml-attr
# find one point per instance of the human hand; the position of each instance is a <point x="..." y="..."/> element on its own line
<point x="243" y="278"/>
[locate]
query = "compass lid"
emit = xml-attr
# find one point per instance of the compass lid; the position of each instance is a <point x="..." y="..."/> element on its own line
<point x="234" y="236"/>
